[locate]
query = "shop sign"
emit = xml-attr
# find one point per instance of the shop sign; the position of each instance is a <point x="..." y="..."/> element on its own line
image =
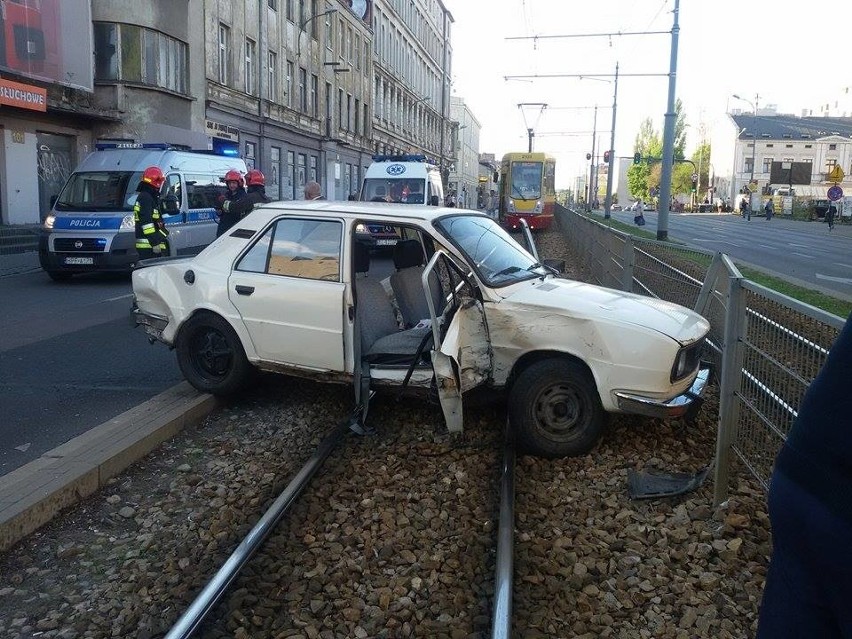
<point x="222" y="131"/>
<point x="24" y="96"/>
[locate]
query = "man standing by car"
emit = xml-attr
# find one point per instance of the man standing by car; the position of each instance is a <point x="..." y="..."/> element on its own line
<point x="255" y="194"/>
<point x="151" y="233"/>
<point x="236" y="191"/>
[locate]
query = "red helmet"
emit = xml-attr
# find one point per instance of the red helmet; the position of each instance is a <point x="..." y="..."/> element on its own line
<point x="234" y="176"/>
<point x="153" y="176"/>
<point x="255" y="177"/>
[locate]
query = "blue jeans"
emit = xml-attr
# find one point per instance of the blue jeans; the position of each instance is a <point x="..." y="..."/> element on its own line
<point x="808" y="589"/>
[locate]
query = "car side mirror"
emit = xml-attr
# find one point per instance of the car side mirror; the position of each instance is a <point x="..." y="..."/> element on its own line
<point x="434" y="201"/>
<point x="556" y="265"/>
<point x="496" y="177"/>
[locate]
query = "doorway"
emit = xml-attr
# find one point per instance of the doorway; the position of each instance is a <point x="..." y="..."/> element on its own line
<point x="55" y="163"/>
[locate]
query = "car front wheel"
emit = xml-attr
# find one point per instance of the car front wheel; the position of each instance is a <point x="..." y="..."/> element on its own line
<point x="211" y="356"/>
<point x="555" y="409"/>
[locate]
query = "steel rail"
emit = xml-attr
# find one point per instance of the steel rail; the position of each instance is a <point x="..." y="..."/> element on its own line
<point x="218" y="585"/>
<point x="501" y="626"/>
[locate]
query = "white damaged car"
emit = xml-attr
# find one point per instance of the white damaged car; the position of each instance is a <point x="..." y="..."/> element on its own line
<point x="459" y="307"/>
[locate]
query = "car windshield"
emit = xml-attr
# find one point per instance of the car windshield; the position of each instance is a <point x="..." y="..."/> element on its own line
<point x="398" y="190"/>
<point x="99" y="191"/>
<point x="495" y="257"/>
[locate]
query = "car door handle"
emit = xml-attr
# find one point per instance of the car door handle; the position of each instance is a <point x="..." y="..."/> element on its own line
<point x="244" y="290"/>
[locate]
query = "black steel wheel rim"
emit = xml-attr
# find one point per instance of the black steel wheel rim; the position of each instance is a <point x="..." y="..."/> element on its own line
<point x="211" y="355"/>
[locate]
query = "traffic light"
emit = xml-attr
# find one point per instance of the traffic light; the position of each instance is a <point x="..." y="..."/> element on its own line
<point x="588" y="156"/>
<point x="606" y="157"/>
<point x="637" y="158"/>
<point x="694" y="182"/>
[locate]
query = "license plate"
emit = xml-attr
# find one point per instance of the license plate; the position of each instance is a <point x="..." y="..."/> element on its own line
<point x="385" y="242"/>
<point x="79" y="260"/>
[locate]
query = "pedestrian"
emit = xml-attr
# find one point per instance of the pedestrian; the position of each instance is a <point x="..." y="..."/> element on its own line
<point x="151" y="232"/>
<point x="769" y="209"/>
<point x="313" y="191"/>
<point x="829" y="215"/>
<point x="227" y="218"/>
<point x="745" y="209"/>
<point x="450" y="200"/>
<point x="255" y="194"/>
<point x="809" y="582"/>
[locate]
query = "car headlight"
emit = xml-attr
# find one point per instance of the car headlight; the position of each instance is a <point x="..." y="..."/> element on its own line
<point x="687" y="360"/>
<point x="128" y="222"/>
<point x="48" y="221"/>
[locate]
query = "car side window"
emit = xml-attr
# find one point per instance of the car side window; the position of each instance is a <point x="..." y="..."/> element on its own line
<point x="172" y="187"/>
<point x="307" y="249"/>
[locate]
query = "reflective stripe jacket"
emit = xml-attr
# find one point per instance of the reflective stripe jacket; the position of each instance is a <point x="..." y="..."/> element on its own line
<point x="150" y="230"/>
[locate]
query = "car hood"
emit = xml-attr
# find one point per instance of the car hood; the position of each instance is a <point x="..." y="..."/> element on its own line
<point x="579" y="299"/>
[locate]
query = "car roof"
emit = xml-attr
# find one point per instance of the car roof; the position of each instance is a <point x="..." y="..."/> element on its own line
<point x="357" y="210"/>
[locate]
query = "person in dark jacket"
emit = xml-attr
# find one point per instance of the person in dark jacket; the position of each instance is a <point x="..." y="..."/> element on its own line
<point x="255" y="194"/>
<point x="809" y="584"/>
<point x="227" y="218"/>
<point x="151" y="232"/>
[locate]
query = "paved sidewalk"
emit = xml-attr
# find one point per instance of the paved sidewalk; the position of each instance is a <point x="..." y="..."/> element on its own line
<point x="15" y="263"/>
<point x="30" y="496"/>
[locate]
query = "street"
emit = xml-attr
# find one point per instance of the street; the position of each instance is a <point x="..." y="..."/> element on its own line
<point x="805" y="253"/>
<point x="69" y="360"/>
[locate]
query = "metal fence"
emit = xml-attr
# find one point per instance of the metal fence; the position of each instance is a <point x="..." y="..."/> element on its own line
<point x="766" y="347"/>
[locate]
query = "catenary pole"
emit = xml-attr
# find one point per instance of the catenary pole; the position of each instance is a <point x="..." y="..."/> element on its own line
<point x="668" y="137"/>
<point x="592" y="193"/>
<point x="611" y="159"/>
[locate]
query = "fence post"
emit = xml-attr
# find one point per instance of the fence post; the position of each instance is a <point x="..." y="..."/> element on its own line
<point x="729" y="385"/>
<point x="709" y="284"/>
<point x="627" y="272"/>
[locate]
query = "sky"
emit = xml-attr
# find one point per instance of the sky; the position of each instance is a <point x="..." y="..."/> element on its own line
<point x="794" y="56"/>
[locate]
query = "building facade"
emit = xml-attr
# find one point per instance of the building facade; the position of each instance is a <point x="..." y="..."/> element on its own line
<point x="298" y="88"/>
<point x="463" y="179"/>
<point x="746" y="145"/>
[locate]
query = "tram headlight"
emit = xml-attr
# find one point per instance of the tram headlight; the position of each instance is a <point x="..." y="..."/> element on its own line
<point x="539" y="207"/>
<point x="510" y="207"/>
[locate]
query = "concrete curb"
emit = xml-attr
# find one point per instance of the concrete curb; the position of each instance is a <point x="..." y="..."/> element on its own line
<point x="32" y="495"/>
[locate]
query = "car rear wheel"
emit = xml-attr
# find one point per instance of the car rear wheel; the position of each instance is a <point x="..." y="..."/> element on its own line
<point x="211" y="356"/>
<point x="555" y="409"/>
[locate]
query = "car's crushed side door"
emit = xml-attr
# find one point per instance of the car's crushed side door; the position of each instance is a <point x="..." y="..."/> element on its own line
<point x="461" y="354"/>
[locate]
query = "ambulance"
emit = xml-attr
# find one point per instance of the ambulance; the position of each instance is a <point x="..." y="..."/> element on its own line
<point x="403" y="179"/>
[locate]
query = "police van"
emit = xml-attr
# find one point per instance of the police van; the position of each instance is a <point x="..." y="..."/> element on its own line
<point x="405" y="179"/>
<point x="90" y="226"/>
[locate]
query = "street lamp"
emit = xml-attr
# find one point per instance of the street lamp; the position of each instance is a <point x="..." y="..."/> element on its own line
<point x="753" y="135"/>
<point x="302" y="28"/>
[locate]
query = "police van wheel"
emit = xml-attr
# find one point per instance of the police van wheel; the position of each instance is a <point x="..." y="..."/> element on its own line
<point x="211" y="356"/>
<point x="59" y="276"/>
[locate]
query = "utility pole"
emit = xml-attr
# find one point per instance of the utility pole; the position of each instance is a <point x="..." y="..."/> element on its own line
<point x="530" y="135"/>
<point x="668" y="137"/>
<point x="592" y="184"/>
<point x="610" y="160"/>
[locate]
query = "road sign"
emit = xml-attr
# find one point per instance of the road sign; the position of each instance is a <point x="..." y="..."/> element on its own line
<point x="835" y="193"/>
<point x="836" y="174"/>
<point x="752" y="186"/>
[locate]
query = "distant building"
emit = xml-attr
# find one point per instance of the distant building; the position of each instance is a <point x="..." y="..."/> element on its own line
<point x="745" y="146"/>
<point x="464" y="172"/>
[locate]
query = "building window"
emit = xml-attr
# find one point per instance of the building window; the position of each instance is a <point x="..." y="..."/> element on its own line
<point x="767" y="165"/>
<point x="302" y="13"/>
<point x="832" y="147"/>
<point x="273" y="176"/>
<point x="289" y="176"/>
<point x="289" y="5"/>
<point x="357" y="51"/>
<point x="340" y="119"/>
<point x="272" y="4"/>
<point x="329" y="27"/>
<point x="224" y="54"/>
<point x="300" y="176"/>
<point x="365" y="129"/>
<point x="348" y="112"/>
<point x="357" y="115"/>
<point x="251" y="82"/>
<point x="251" y="150"/>
<point x="314" y="24"/>
<point x="134" y="54"/>
<point x="313" y="169"/>
<point x="749" y="165"/>
<point x="314" y="96"/>
<point x="303" y="90"/>
<point x="272" y="77"/>
<point x="289" y="84"/>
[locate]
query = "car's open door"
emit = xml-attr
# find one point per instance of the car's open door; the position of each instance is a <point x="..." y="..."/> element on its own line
<point x="461" y="353"/>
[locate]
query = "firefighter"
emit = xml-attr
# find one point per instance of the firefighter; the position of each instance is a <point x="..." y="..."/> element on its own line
<point x="151" y="232"/>
<point x="255" y="194"/>
<point x="236" y="191"/>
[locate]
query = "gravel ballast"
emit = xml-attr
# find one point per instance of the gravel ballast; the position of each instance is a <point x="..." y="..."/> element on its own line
<point x="396" y="535"/>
